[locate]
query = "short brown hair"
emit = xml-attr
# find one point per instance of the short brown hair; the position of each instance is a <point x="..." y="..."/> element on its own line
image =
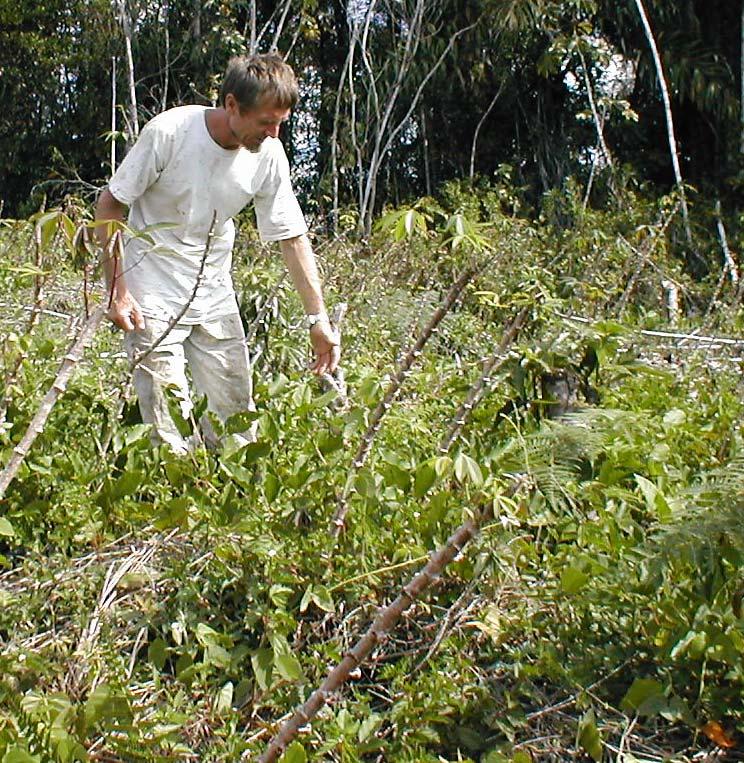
<point x="264" y="76"/>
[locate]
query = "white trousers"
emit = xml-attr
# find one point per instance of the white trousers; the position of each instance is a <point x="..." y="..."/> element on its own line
<point x="217" y="358"/>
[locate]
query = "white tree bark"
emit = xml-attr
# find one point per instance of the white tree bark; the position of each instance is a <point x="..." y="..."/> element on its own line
<point x="598" y="122"/>
<point x="253" y="44"/>
<point x="384" y="132"/>
<point x="280" y="26"/>
<point x="126" y="28"/>
<point x="113" y="115"/>
<point x="166" y="71"/>
<point x="348" y="67"/>
<point x="669" y="121"/>
<point x="478" y="129"/>
<point x="729" y="263"/>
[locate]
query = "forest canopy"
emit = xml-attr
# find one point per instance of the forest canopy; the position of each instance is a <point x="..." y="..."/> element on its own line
<point x="397" y="97"/>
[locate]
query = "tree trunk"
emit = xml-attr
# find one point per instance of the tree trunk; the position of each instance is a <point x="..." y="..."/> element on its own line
<point x="253" y="45"/>
<point x="427" y="159"/>
<point x="668" y="114"/>
<point x="478" y="129"/>
<point x="126" y="28"/>
<point x="113" y="115"/>
<point x="166" y="66"/>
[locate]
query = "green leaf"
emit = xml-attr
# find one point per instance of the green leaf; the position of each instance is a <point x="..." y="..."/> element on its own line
<point x="295" y="753"/>
<point x="443" y="466"/>
<point x="573" y="580"/>
<point x="278" y="385"/>
<point x="6" y="528"/>
<point x="655" y="501"/>
<point x="424" y="479"/>
<point x="466" y="469"/>
<point x="263" y="662"/>
<point x="288" y="667"/>
<point x="640" y="691"/>
<point x="216" y="655"/>
<point x="279" y="595"/>
<point x="240" y="474"/>
<point x="156" y="653"/>
<point x="173" y="514"/>
<point x="127" y="484"/>
<point x="223" y="699"/>
<point x="329" y="443"/>
<point x="271" y="485"/>
<point x="241" y="422"/>
<point x="368" y="727"/>
<point x="175" y="411"/>
<point x="322" y="598"/>
<point x="207" y="635"/>
<point x="318" y="595"/>
<point x="47" y="225"/>
<point x="255" y="450"/>
<point x="588" y="737"/>
<point x="693" y="643"/>
<point x="104" y="704"/>
<point x="19" y="755"/>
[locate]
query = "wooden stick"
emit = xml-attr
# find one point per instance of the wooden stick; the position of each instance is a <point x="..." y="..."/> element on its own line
<point x="376" y="634"/>
<point x="673" y="150"/>
<point x="392" y="392"/>
<point x="59" y="385"/>
<point x="36" y="311"/>
<point x="140" y="357"/>
<point x="478" y="390"/>
<point x="667" y="334"/>
<point x="728" y="259"/>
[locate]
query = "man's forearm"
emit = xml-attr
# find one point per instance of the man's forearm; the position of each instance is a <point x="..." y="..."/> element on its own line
<point x="300" y="261"/>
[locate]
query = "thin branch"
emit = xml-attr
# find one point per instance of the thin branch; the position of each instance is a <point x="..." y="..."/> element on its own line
<point x="59" y="385"/>
<point x="36" y="311"/>
<point x="643" y="254"/>
<point x="478" y="127"/>
<point x="393" y="389"/>
<point x="728" y="259"/>
<point x="667" y="334"/>
<point x="140" y="357"/>
<point x="598" y="123"/>
<point x="280" y="26"/>
<point x="478" y="390"/>
<point x="669" y="121"/>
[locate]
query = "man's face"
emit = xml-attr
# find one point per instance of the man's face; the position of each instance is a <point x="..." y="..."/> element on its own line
<point x="250" y="128"/>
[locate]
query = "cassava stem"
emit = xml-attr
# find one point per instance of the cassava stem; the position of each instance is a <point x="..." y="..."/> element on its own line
<point x="392" y="392"/>
<point x="386" y="618"/>
<point x="139" y="358"/>
<point x="477" y="391"/>
<point x="58" y="387"/>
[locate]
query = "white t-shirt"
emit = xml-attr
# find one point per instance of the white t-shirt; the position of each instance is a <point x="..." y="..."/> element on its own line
<point x="177" y="176"/>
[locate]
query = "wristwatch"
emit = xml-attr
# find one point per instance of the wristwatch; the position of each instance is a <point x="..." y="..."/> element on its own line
<point x="313" y="318"/>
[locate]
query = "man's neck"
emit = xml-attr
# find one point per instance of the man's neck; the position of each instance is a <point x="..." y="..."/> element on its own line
<point x="218" y="128"/>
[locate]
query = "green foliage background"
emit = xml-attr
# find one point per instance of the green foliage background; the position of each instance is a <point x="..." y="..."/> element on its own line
<point x="156" y="607"/>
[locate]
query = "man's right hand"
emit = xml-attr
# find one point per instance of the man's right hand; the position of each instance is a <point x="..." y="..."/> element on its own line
<point x="125" y="312"/>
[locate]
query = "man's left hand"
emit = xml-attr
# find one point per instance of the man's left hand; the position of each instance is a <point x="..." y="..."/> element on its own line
<point x="326" y="346"/>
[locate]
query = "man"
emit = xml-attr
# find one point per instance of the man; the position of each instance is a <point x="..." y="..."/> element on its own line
<point x="192" y="169"/>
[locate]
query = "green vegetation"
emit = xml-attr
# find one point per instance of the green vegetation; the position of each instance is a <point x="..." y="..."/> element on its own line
<point x="158" y="608"/>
